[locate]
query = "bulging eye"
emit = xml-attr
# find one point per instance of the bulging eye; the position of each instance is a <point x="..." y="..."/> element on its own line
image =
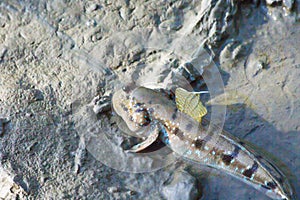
<point x="141" y="117"/>
<point x="125" y="88"/>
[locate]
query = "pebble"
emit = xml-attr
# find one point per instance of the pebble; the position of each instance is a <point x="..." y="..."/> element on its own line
<point x="182" y="186"/>
<point x="91" y="8"/>
<point x="36" y="95"/>
<point x="28" y="114"/>
<point x="101" y="105"/>
<point x="112" y="189"/>
<point x="272" y="2"/>
<point x="3" y="121"/>
<point x="2" y="52"/>
<point x="288" y="4"/>
<point x="91" y="23"/>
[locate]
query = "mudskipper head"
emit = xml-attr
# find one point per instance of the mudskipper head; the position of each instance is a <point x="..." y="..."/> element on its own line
<point x="133" y="113"/>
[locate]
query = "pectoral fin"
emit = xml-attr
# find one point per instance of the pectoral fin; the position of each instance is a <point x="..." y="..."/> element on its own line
<point x="190" y="104"/>
<point x="153" y="135"/>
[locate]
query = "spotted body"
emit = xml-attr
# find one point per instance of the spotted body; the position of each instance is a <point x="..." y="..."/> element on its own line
<point x="143" y="107"/>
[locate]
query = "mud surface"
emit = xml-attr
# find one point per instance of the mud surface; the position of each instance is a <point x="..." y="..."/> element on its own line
<point x="60" y="61"/>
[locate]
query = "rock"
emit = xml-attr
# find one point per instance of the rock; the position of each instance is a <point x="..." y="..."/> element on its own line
<point x="232" y="53"/>
<point x="92" y="8"/>
<point x="3" y="121"/>
<point x="35" y="95"/>
<point x="188" y="72"/>
<point x="1" y="129"/>
<point x="28" y="114"/>
<point x="288" y="4"/>
<point x="79" y="156"/>
<point x="101" y="105"/>
<point x="3" y="51"/>
<point x="112" y="189"/>
<point x="124" y="13"/>
<point x="257" y="65"/>
<point x="91" y="23"/>
<point x="182" y="186"/>
<point x="8" y="188"/>
<point x="272" y="2"/>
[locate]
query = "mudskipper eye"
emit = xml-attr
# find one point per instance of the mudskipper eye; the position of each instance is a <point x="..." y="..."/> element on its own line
<point x="125" y="88"/>
<point x="141" y="117"/>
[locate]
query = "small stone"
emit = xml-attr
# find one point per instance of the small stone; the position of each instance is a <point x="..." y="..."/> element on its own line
<point x="124" y="13"/>
<point x="240" y="51"/>
<point x="130" y="193"/>
<point x="288" y="4"/>
<point x="2" y="53"/>
<point x="9" y="188"/>
<point x="101" y="105"/>
<point x="91" y="8"/>
<point x="28" y="114"/>
<point x="182" y="186"/>
<point x="2" y="23"/>
<point x="3" y="122"/>
<point x="260" y="65"/>
<point x="36" y="95"/>
<point x="112" y="189"/>
<point x="1" y="129"/>
<point x="91" y="23"/>
<point x="79" y="156"/>
<point x="96" y="36"/>
<point x="272" y="2"/>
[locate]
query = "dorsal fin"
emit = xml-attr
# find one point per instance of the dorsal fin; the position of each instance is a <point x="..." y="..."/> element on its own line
<point x="190" y="104"/>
